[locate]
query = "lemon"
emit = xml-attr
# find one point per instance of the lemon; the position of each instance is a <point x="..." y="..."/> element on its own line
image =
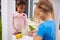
<point x="18" y="36"/>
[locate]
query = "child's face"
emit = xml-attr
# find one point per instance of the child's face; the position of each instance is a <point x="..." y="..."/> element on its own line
<point x="42" y="15"/>
<point x="21" y="8"/>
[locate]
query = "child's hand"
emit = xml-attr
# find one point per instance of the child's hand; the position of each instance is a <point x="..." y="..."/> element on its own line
<point x="34" y="31"/>
<point x="31" y="33"/>
<point x="15" y="33"/>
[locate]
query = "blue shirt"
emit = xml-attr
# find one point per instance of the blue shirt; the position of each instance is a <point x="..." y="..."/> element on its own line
<point x="47" y="30"/>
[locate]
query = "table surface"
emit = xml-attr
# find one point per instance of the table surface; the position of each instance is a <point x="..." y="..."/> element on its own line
<point x="25" y="37"/>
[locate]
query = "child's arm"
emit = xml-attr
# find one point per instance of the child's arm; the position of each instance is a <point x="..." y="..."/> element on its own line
<point x="16" y="25"/>
<point x="25" y="21"/>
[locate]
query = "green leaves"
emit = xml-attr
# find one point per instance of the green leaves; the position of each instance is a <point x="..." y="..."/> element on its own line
<point x="0" y="29"/>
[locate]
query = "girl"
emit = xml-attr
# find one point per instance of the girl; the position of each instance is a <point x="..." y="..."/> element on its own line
<point x="47" y="29"/>
<point x="36" y="20"/>
<point x="19" y="18"/>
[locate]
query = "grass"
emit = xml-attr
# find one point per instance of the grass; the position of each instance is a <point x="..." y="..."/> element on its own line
<point x="59" y="26"/>
<point x="0" y="29"/>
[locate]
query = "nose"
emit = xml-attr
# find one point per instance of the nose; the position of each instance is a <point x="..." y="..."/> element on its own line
<point x="23" y="10"/>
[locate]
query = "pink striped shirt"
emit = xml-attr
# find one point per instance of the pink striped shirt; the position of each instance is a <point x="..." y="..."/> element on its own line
<point x="19" y="21"/>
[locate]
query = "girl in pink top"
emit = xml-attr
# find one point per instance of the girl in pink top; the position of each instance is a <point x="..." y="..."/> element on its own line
<point x="19" y="18"/>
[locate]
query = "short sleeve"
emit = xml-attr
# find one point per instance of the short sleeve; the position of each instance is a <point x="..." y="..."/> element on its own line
<point x="41" y="30"/>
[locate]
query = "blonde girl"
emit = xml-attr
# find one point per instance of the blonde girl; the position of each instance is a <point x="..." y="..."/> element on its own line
<point x="47" y="29"/>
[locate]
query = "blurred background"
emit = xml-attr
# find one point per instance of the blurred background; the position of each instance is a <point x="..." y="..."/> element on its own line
<point x="0" y="23"/>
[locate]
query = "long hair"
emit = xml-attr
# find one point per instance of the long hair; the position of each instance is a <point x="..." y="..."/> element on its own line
<point x="46" y="6"/>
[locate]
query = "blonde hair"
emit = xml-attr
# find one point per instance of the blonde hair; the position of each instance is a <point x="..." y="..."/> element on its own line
<point x="36" y="14"/>
<point x="46" y="6"/>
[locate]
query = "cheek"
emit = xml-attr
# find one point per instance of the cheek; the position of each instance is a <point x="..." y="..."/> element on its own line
<point x="42" y="16"/>
<point x="21" y="10"/>
<point x="18" y="9"/>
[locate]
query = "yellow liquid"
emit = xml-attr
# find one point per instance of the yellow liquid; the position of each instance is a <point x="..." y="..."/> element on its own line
<point x="18" y="36"/>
